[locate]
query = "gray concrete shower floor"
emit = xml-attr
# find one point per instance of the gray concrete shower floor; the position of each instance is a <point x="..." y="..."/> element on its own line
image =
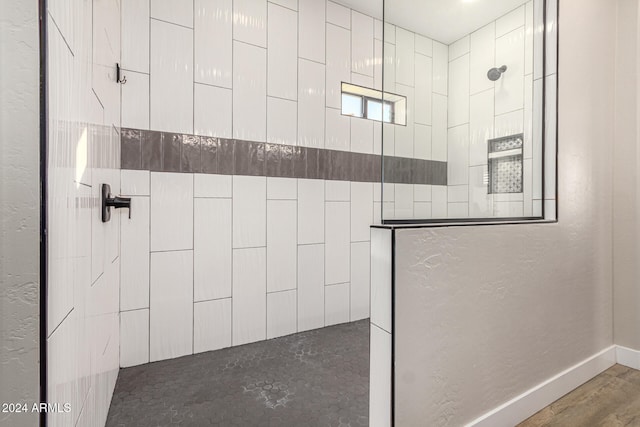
<point x="313" y="378"/>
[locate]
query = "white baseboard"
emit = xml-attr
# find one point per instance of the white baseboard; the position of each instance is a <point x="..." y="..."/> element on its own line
<point x="628" y="357"/>
<point x="528" y="403"/>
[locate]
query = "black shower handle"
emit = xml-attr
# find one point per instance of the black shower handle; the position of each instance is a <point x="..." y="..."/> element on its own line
<point x="117" y="202"/>
<point x="120" y="202"/>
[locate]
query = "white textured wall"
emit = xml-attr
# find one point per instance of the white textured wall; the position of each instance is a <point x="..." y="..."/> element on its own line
<point x="626" y="186"/>
<point x="19" y="208"/>
<point x="489" y="312"/>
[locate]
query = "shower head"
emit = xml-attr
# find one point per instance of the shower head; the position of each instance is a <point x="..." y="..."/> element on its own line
<point x="495" y="73"/>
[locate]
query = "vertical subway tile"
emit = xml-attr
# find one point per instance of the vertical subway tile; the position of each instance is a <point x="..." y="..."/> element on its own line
<point x="212" y="248"/>
<point x="171" y="152"/>
<point x="212" y="325"/>
<point x="311" y="41"/>
<point x="310" y="211"/>
<point x="249" y="158"/>
<point x="213" y="42"/>
<point x="171" y="211"/>
<point x="209" y="154"/>
<point x="152" y="150"/>
<point x="300" y="161"/>
<point x="131" y="150"/>
<point x="249" y="211"/>
<point x="171" y="77"/>
<point x="191" y="154"/>
<point x="249" y="295"/>
<point x="171" y="305"/>
<point x="288" y="160"/>
<point x="225" y="157"/>
<point x="272" y="158"/>
<point x="281" y="314"/>
<point x="249" y="91"/>
<point x="281" y="245"/>
<point x="310" y="287"/>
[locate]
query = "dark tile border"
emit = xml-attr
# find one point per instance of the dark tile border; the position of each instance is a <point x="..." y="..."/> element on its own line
<point x="172" y="152"/>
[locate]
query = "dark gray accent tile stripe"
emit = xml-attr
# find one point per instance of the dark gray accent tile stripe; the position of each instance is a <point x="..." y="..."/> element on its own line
<point x="171" y="152"/>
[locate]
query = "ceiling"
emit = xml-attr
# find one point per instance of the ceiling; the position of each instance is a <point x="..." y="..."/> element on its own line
<point x="443" y="20"/>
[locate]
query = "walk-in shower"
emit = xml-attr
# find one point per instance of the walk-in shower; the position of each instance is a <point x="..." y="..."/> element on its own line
<point x="255" y="143"/>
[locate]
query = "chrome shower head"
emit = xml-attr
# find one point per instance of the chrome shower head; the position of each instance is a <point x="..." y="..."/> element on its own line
<point x="495" y="73"/>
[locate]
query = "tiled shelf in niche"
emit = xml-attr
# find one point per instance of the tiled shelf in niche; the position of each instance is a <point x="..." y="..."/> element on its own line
<point x="505" y="164"/>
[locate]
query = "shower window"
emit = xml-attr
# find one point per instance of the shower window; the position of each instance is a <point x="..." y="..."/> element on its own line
<point x="371" y="104"/>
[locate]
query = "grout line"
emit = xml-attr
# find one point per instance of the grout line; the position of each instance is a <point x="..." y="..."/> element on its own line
<point x="168" y="22"/>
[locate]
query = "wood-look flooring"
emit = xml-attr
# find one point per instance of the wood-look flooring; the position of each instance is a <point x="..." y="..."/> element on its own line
<point x="612" y="399"/>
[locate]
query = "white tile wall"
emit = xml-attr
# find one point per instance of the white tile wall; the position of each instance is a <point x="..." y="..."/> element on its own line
<point x="135" y="36"/>
<point x="362" y="194"/>
<point x="170" y="11"/>
<point x="311" y="17"/>
<point x="134" y="337"/>
<point x="337" y="191"/>
<point x="281" y="245"/>
<point x="171" y="305"/>
<point x="360" y="279"/>
<point x="212" y="253"/>
<point x="424" y="89"/>
<point x="171" y="93"/>
<point x="361" y="43"/>
<point x="482" y="59"/>
<point x="440" y="68"/>
<point x="171" y="211"/>
<point x="481" y="123"/>
<point x="211" y="325"/>
<point x="282" y="189"/>
<point x="250" y="22"/>
<point x="206" y="185"/>
<point x="459" y="91"/>
<point x="510" y="87"/>
<point x="510" y="21"/>
<point x="458" y="164"/>
<point x="212" y="110"/>
<point x="338" y="63"/>
<point x="249" y="92"/>
<point x="459" y="48"/>
<point x="249" y="295"/>
<point x="282" y="123"/>
<point x="249" y="211"/>
<point x="362" y="135"/>
<point x="135" y="183"/>
<point x="338" y="15"/>
<point x="422" y="142"/>
<point x="310" y="211"/>
<point x="337" y="242"/>
<point x="84" y="267"/>
<point x="281" y="314"/>
<point x="135" y="101"/>
<point x="405" y="57"/>
<point x="213" y="42"/>
<point x="134" y="242"/>
<point x="336" y="304"/>
<point x="338" y="130"/>
<point x="310" y="287"/>
<point x="282" y="51"/>
<point x="311" y="103"/>
<point x="439" y="130"/>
